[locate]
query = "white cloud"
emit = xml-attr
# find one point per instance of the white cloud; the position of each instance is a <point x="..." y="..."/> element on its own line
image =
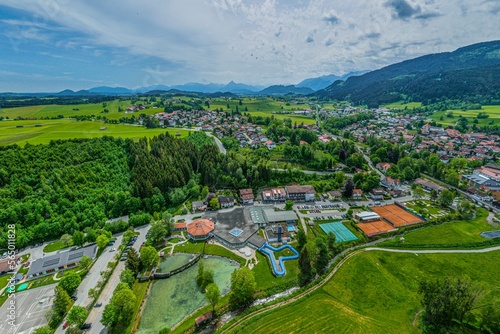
<point x="264" y="41"/>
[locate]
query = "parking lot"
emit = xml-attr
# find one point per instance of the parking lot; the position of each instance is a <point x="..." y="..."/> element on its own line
<point x="31" y="308"/>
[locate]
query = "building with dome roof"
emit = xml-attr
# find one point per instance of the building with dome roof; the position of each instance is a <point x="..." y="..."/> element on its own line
<point x="200" y="229"/>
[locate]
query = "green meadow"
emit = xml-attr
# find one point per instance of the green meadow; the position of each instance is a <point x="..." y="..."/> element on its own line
<point x="492" y="111"/>
<point x="265" y="107"/>
<point x="401" y="105"/>
<point x="376" y="292"/>
<point x="43" y="131"/>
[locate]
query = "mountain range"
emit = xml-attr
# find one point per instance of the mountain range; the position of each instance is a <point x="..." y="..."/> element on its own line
<point x="468" y="73"/>
<point x="305" y="87"/>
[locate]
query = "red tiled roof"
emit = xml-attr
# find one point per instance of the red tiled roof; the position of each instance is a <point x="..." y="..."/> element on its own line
<point x="200" y="227"/>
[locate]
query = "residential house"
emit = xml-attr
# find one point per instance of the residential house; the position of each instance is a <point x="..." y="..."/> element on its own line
<point x="198" y="206"/>
<point x="246" y="196"/>
<point x="334" y="194"/>
<point x="226" y="201"/>
<point x="384" y="166"/>
<point x="390" y="183"/>
<point x="270" y="144"/>
<point x="377" y="194"/>
<point x="357" y="194"/>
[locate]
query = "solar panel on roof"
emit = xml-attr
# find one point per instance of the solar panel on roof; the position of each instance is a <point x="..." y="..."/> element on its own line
<point x="75" y="255"/>
<point x="50" y="263"/>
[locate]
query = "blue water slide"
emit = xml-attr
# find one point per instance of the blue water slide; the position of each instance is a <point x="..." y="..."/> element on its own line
<point x="269" y="250"/>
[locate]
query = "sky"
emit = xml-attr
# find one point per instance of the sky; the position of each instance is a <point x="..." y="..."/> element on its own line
<point x="51" y="45"/>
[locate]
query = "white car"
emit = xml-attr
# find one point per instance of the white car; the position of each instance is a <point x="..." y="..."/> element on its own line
<point x="112" y="249"/>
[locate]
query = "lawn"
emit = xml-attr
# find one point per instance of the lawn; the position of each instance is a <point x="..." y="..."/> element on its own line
<point x="54" y="246"/>
<point x="456" y="232"/>
<point x="376" y="292"/>
<point x="492" y="111"/>
<point x="266" y="281"/>
<point x="22" y="132"/>
<point x="4" y="280"/>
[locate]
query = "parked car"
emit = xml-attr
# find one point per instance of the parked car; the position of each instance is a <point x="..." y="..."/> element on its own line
<point x="123" y="258"/>
<point x="86" y="326"/>
<point x="65" y="325"/>
<point x="98" y="304"/>
<point x="112" y="249"/>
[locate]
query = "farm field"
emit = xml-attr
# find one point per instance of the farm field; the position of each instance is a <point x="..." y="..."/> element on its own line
<point x="73" y="110"/>
<point x="449" y="233"/>
<point x="492" y="111"/>
<point x="49" y="130"/>
<point x="376" y="292"/>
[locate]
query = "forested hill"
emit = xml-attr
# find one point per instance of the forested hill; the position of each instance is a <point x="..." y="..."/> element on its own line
<point x="470" y="73"/>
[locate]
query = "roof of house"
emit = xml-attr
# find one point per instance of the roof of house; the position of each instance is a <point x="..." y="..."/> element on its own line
<point x="200" y="227"/>
<point x="61" y="259"/>
<point x="246" y="191"/>
<point x="335" y="193"/>
<point x="179" y="226"/>
<point x="5" y="266"/>
<point x="357" y="192"/>
<point x="428" y="184"/>
<point x="226" y="199"/>
<point x="274" y="192"/>
<point x="300" y="189"/>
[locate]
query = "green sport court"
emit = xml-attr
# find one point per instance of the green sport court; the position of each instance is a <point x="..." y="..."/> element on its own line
<point x="341" y="232"/>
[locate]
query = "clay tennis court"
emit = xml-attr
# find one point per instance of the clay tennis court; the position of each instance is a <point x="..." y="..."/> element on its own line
<point x="396" y="216"/>
<point x="376" y="227"/>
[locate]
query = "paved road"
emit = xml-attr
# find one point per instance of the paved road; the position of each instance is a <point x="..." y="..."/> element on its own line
<point x="95" y="315"/>
<point x="218" y="142"/>
<point x="434" y="251"/>
<point x="91" y="279"/>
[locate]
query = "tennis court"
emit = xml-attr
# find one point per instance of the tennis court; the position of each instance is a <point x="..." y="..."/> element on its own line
<point x="396" y="216"/>
<point x="341" y="232"/>
<point x="376" y="227"/>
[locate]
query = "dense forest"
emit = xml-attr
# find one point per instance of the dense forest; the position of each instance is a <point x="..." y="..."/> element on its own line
<point x="76" y="185"/>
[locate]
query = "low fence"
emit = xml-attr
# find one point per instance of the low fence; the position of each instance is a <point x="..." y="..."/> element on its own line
<point x="156" y="275"/>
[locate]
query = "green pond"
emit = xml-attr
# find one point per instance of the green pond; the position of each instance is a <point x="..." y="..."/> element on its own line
<point x="172" y="299"/>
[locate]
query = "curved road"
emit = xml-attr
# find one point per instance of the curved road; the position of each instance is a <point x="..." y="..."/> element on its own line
<point x="339" y="265"/>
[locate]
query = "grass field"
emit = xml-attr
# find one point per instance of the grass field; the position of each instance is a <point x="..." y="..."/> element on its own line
<point x="265" y="107"/>
<point x="492" y="111"/>
<point x="49" y="130"/>
<point x="376" y="292"/>
<point x="449" y="233"/>
<point x="401" y="105"/>
<point x="55" y="246"/>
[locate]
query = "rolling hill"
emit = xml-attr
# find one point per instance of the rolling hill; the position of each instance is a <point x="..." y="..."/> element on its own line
<point x="470" y="73"/>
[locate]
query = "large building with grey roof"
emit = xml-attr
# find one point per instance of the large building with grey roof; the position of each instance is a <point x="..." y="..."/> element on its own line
<point x="61" y="261"/>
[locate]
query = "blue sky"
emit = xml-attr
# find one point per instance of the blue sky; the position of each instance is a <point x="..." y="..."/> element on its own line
<point x="51" y="45"/>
